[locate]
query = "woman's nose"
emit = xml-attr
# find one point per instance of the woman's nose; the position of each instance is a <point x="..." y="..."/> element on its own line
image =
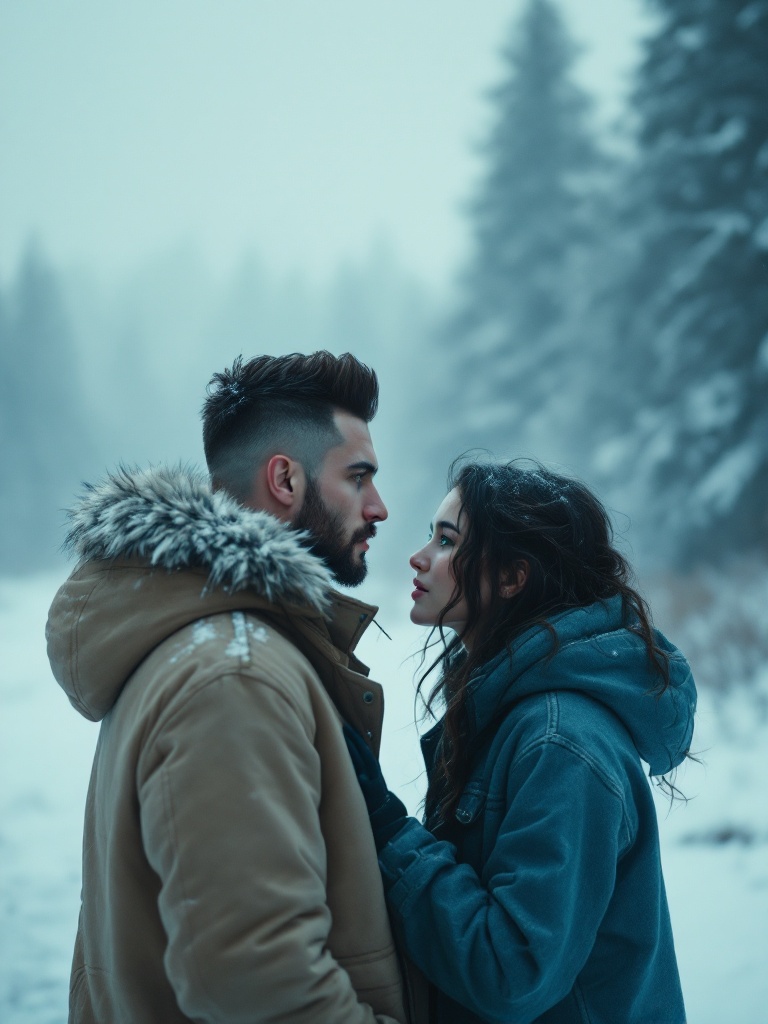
<point x="419" y="561"/>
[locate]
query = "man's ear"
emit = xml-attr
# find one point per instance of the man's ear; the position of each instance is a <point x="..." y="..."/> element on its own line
<point x="513" y="580"/>
<point x="286" y="483"/>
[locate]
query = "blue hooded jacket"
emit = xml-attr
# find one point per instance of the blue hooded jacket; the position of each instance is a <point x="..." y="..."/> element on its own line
<point x="548" y="903"/>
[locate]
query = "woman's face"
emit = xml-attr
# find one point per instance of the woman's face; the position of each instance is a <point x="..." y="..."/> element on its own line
<point x="434" y="583"/>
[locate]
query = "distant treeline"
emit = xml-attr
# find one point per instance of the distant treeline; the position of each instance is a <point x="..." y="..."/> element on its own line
<point x="612" y="318"/>
<point x="94" y="373"/>
<point x="43" y="420"/>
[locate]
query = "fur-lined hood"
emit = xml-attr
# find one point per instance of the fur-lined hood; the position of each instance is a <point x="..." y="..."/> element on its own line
<point x="172" y="517"/>
<point x="159" y="550"/>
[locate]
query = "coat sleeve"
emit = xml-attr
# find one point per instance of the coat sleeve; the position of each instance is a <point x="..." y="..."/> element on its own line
<point x="229" y="816"/>
<point x="510" y="945"/>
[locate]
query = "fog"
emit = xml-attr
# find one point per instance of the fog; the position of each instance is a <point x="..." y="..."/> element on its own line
<point x="305" y="131"/>
<point x="544" y="224"/>
<point x="196" y="181"/>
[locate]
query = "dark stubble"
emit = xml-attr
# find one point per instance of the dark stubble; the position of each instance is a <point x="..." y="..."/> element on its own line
<point x="328" y="539"/>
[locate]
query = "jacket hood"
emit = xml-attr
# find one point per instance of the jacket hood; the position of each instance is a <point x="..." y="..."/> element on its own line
<point x="598" y="655"/>
<point x="159" y="549"/>
<point x="172" y="517"/>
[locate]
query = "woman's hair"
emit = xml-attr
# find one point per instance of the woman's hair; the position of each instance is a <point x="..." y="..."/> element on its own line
<point x="513" y="517"/>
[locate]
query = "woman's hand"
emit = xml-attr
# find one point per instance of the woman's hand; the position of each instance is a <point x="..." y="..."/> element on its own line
<point x="386" y="811"/>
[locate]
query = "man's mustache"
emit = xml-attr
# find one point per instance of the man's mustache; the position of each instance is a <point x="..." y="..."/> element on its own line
<point x="364" y="534"/>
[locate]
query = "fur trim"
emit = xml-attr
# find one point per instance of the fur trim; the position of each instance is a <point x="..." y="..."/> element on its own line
<point x="171" y="516"/>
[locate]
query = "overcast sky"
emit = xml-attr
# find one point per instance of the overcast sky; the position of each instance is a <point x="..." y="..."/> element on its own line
<point x="306" y="129"/>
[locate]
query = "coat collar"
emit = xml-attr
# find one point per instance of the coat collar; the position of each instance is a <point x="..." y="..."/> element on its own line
<point x="170" y="516"/>
<point x="159" y="551"/>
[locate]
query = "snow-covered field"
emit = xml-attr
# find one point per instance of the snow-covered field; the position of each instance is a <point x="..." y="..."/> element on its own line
<point x="715" y="848"/>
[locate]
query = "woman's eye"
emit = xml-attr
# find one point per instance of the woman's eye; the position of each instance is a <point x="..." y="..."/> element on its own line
<point x="446" y="542"/>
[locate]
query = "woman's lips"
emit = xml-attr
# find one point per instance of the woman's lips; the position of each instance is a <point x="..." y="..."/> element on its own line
<point x="420" y="589"/>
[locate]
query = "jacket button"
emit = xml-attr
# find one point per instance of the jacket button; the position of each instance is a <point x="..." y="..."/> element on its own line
<point x="463" y="815"/>
<point x="363" y="617"/>
<point x="368" y="697"/>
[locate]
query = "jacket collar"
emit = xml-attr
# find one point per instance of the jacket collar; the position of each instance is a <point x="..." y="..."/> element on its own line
<point x="348" y="620"/>
<point x="171" y="517"/>
<point x="159" y="551"/>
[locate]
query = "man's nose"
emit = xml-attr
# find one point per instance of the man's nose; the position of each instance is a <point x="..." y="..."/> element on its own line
<point x="375" y="511"/>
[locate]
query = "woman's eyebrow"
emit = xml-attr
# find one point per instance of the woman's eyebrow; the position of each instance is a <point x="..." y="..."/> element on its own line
<point x="445" y="525"/>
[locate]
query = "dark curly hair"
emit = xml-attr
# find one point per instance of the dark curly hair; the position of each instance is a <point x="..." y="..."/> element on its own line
<point x="561" y="531"/>
<point x="284" y="402"/>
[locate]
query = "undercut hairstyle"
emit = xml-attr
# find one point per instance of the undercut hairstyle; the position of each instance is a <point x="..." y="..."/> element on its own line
<point x="281" y="404"/>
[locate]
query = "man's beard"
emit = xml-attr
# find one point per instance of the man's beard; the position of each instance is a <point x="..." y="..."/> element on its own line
<point x="327" y="538"/>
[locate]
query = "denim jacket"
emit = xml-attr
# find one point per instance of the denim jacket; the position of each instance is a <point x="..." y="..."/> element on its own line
<point x="545" y="901"/>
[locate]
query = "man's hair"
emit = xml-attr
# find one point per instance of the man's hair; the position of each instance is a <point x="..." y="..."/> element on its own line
<point x="281" y="404"/>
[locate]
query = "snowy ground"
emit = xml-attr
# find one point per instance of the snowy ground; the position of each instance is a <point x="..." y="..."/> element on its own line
<point x="715" y="848"/>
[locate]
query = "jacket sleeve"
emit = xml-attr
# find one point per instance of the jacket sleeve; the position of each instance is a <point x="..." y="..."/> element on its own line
<point x="510" y="945"/>
<point x="229" y="814"/>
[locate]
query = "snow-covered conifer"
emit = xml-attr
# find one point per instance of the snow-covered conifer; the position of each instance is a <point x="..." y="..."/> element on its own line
<point x="691" y="352"/>
<point x="534" y="220"/>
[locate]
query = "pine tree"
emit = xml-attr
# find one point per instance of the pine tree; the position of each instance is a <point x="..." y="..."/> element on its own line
<point x="691" y="371"/>
<point x="533" y="218"/>
<point x="45" y="442"/>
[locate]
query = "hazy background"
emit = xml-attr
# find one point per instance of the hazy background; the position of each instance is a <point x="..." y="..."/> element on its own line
<point x="182" y="182"/>
<point x="300" y="129"/>
<point x="544" y="223"/>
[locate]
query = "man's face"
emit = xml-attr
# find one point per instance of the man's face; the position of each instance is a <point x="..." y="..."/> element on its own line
<point x="341" y="504"/>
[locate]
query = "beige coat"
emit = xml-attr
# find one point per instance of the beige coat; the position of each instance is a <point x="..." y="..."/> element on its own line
<point x="229" y="872"/>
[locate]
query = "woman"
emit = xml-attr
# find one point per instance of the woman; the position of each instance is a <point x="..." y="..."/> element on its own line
<point x="534" y="892"/>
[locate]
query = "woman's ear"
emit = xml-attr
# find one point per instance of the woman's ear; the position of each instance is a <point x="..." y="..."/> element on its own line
<point x="513" y="580"/>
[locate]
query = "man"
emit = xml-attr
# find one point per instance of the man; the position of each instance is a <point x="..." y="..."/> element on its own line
<point x="229" y="872"/>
